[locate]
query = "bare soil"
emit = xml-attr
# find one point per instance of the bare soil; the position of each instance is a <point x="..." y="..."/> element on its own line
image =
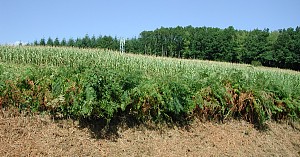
<point x="38" y="135"/>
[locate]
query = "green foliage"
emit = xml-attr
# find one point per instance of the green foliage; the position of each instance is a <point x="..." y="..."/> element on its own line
<point x="49" y="42"/>
<point x="63" y="42"/>
<point x="96" y="83"/>
<point x="256" y="63"/>
<point x="275" y="49"/>
<point x="56" y="42"/>
<point x="42" y="42"/>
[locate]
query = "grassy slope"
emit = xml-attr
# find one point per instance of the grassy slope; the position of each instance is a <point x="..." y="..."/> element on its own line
<point x="97" y="83"/>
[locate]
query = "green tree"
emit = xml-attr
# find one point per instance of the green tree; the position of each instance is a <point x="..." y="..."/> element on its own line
<point x="35" y="43"/>
<point x="49" y="42"/>
<point x="63" y="42"/>
<point x="286" y="48"/>
<point x="71" y="42"/>
<point x="42" y="42"/>
<point x="93" y="42"/>
<point x="86" y="42"/>
<point x="105" y="42"/>
<point x="78" y="43"/>
<point x="56" y="42"/>
<point x="255" y="45"/>
<point x="186" y="45"/>
<point x="268" y="57"/>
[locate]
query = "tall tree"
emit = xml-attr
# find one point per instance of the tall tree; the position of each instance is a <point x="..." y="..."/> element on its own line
<point x="71" y="42"/>
<point x="56" y="42"/>
<point x="35" y="43"/>
<point x="49" y="42"/>
<point x="86" y="41"/>
<point x="63" y="42"/>
<point x="93" y="42"/>
<point x="78" y="43"/>
<point x="42" y="42"/>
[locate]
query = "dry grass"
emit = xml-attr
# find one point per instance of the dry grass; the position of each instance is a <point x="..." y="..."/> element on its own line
<point x="38" y="135"/>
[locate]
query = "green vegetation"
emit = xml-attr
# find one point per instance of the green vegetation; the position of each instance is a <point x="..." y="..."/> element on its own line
<point x="268" y="48"/>
<point x="98" y="83"/>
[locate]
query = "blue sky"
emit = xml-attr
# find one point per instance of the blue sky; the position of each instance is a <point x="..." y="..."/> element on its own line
<point x="29" y="20"/>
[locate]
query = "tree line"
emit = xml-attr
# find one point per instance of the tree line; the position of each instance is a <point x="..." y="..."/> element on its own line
<point x="280" y="48"/>
<point x="105" y="42"/>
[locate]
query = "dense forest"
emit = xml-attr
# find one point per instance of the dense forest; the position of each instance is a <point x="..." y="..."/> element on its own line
<point x="279" y="48"/>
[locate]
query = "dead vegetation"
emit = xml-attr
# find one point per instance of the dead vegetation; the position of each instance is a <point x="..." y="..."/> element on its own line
<point x="38" y="135"/>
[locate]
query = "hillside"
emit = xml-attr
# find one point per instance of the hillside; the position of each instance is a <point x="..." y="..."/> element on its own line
<point x="105" y="101"/>
<point x="86" y="83"/>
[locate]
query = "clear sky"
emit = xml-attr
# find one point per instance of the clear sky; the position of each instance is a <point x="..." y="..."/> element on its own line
<point x="29" y="20"/>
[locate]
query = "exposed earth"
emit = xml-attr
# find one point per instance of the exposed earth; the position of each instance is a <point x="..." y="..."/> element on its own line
<point x="38" y="135"/>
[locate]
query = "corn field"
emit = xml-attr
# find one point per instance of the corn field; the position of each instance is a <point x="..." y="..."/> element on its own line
<point x="106" y="84"/>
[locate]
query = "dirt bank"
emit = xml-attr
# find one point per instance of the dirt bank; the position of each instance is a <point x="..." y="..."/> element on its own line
<point x="42" y="136"/>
